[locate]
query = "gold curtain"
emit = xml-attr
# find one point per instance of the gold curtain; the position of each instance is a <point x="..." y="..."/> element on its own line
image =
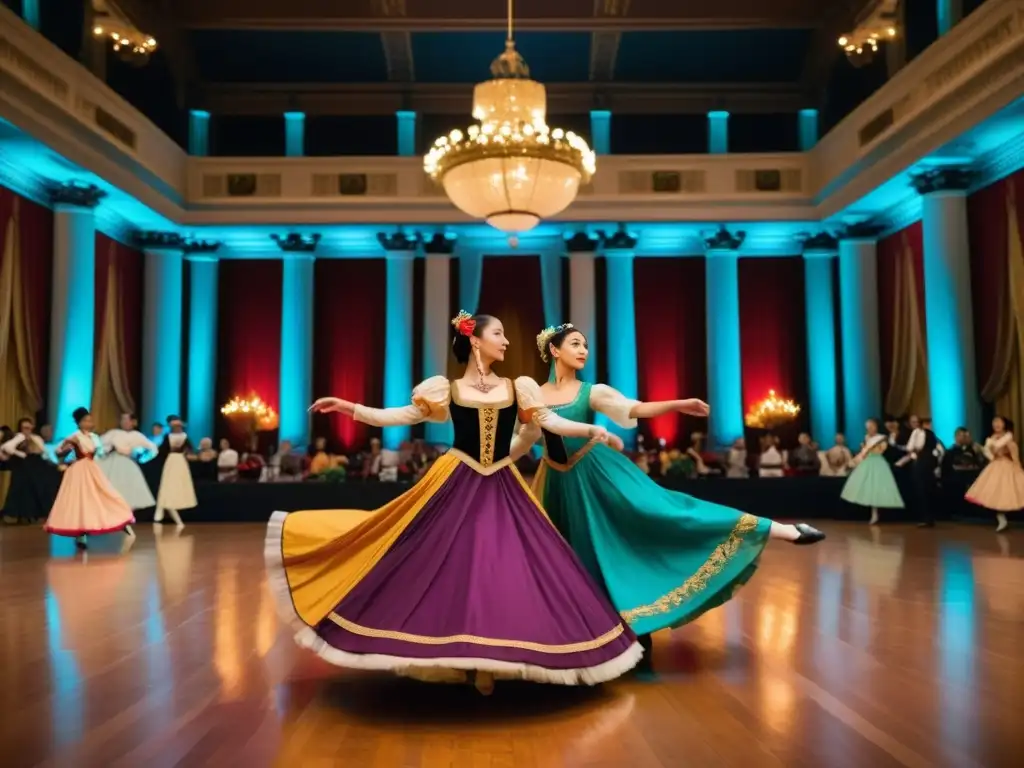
<point x="111" y="393"/>
<point x="20" y="394"/>
<point x="1005" y="386"/>
<point x="908" y="384"/>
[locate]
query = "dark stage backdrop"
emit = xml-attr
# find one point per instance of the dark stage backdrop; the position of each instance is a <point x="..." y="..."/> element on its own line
<point x="671" y="340"/>
<point x="249" y="335"/>
<point x="510" y="289"/>
<point x="773" y="335"/>
<point x="348" y="346"/>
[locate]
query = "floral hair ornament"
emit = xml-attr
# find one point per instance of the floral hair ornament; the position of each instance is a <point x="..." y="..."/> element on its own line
<point x="545" y="336"/>
<point x="464" y="323"/>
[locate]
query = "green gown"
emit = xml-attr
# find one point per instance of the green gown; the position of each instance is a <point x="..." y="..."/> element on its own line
<point x="663" y="557"/>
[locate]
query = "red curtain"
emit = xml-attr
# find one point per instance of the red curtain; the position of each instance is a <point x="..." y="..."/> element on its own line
<point x="249" y="329"/>
<point x="348" y="345"/>
<point x="986" y="214"/>
<point x="889" y="250"/>
<point x="671" y="340"/>
<point x="773" y="333"/>
<point x="511" y="290"/>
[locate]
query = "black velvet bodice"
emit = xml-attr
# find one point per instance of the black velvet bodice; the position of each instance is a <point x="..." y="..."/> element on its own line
<point x="484" y="431"/>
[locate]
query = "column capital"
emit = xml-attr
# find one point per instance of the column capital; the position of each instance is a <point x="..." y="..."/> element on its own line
<point x="821" y="245"/>
<point x="441" y="244"/>
<point x="581" y="243"/>
<point x="619" y="243"/>
<point x="296" y="243"/>
<point x="399" y="244"/>
<point x="725" y="241"/>
<point x="938" y="180"/>
<point x="74" y="195"/>
<point x="861" y="230"/>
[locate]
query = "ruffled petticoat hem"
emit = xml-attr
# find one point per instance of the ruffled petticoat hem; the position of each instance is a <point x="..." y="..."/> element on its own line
<point x="89" y="532"/>
<point x="306" y="637"/>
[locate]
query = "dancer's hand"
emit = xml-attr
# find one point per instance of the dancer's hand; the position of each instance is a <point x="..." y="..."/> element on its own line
<point x="694" y="407"/>
<point x="599" y="434"/>
<point x="333" y="405"/>
<point x="614" y="441"/>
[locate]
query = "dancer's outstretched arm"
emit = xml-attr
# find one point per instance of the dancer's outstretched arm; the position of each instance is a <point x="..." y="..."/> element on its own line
<point x="625" y="411"/>
<point x="429" y="403"/>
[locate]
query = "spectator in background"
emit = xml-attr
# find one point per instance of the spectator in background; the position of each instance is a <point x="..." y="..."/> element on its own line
<point x="227" y="463"/>
<point x="837" y="460"/>
<point x="803" y="459"/>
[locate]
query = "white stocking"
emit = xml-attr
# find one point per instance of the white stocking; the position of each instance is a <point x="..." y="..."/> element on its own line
<point x="784" y="532"/>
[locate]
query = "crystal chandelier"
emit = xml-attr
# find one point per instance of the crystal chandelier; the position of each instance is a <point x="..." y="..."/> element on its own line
<point x="771" y="412"/>
<point x="512" y="170"/>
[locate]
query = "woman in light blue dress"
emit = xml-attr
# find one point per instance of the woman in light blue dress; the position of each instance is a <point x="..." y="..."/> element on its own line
<point x="872" y="483"/>
<point x="664" y="557"/>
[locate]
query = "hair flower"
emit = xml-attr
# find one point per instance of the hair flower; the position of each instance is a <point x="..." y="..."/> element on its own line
<point x="464" y="323"/>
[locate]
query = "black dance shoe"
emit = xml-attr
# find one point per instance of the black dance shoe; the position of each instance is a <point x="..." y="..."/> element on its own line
<point x="808" y="535"/>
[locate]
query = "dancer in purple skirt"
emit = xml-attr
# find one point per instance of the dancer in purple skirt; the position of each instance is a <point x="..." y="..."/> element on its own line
<point x="463" y="573"/>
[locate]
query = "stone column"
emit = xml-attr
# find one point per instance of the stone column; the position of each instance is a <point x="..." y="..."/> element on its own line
<point x="725" y="373"/>
<point x="619" y="251"/>
<point x="294" y="134"/>
<point x="73" y="304"/>
<point x="949" y="317"/>
<point x="296" y="383"/>
<point x="437" y="315"/>
<point x="162" y="325"/>
<point x="204" y="297"/>
<point x="718" y="132"/>
<point x="820" y="254"/>
<point x="858" y="320"/>
<point x="582" y="292"/>
<point x="400" y="251"/>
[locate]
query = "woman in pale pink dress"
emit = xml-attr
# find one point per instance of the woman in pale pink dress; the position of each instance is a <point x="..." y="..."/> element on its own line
<point x="87" y="502"/>
<point x="1000" y="486"/>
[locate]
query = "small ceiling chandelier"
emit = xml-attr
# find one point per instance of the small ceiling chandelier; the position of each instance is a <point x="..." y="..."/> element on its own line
<point x="512" y="170"/>
<point x="875" y="25"/>
<point x="128" y="43"/>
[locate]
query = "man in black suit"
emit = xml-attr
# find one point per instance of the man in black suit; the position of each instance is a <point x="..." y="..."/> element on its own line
<point x="922" y="453"/>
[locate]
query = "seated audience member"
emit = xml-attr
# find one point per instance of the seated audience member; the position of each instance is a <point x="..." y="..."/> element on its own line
<point x="700" y="457"/>
<point x="964" y="456"/>
<point x="227" y="462"/>
<point x="803" y="459"/>
<point x="372" y="461"/>
<point x="253" y="464"/>
<point x="772" y="461"/>
<point x="289" y="464"/>
<point x="203" y="461"/>
<point x="736" y="460"/>
<point x="837" y="460"/>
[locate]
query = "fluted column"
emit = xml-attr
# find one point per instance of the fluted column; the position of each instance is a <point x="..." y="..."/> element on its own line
<point x="582" y="292"/>
<point x="296" y="384"/>
<point x="437" y="314"/>
<point x="199" y="133"/>
<point x="202" y="343"/>
<point x="73" y="304"/>
<point x="406" y="133"/>
<point x="619" y="250"/>
<point x="947" y="302"/>
<point x="725" y="374"/>
<point x="400" y="251"/>
<point x="858" y="318"/>
<point x="162" y="325"/>
<point x="819" y="257"/>
<point x="601" y="131"/>
<point x="551" y="286"/>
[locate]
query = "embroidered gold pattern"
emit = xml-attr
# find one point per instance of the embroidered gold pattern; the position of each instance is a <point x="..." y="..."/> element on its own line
<point x="476" y="466"/>
<point x="698" y="582"/>
<point x="525" y="645"/>
<point x="488" y="426"/>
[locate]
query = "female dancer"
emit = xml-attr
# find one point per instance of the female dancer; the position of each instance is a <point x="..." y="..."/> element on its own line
<point x="177" y="491"/>
<point x="463" y="572"/>
<point x="34" y="480"/>
<point x="118" y="464"/>
<point x="664" y="557"/>
<point x="872" y="483"/>
<point x="1000" y="486"/>
<point x="87" y="502"/>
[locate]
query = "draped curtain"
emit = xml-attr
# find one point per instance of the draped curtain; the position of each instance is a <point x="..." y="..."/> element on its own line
<point x="671" y="340"/>
<point x="26" y="250"/>
<point x="348" y="345"/>
<point x="773" y="335"/>
<point x="249" y="337"/>
<point x="996" y="216"/>
<point x="903" y="340"/>
<point x="511" y="290"/>
<point x="118" y="333"/>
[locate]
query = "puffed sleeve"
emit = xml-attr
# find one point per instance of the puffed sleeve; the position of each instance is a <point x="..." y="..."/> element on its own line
<point x="613" y="404"/>
<point x="429" y="403"/>
<point x="532" y="408"/>
<point x="12" y="445"/>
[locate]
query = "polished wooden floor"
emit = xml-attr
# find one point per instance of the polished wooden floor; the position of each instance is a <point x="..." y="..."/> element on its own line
<point x="891" y="646"/>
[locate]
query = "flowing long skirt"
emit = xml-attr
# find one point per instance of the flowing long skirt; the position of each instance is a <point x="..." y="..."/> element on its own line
<point x="999" y="487"/>
<point x="872" y="484"/>
<point x="87" y="503"/>
<point x="462" y="572"/>
<point x="34" y="484"/>
<point x="126" y="477"/>
<point x="664" y="557"/>
<point x="176" y="488"/>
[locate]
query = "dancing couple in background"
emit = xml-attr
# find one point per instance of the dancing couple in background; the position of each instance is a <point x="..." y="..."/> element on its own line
<point x="465" y="574"/>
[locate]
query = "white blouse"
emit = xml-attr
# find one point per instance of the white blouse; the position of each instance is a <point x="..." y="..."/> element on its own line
<point x="11" y="446"/>
<point x="124" y="442"/>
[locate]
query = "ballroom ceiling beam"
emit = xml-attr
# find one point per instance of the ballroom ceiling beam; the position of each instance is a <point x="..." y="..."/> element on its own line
<point x="604" y="44"/>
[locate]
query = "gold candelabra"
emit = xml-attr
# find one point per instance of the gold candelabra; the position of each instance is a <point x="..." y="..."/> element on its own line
<point x="261" y="416"/>
<point x="771" y="412"/>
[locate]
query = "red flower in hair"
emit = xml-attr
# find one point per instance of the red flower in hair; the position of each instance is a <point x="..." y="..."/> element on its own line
<point x="464" y="323"/>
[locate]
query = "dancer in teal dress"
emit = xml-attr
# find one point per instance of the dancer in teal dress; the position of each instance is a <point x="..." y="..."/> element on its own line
<point x="664" y="557"/>
<point x="872" y="483"/>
